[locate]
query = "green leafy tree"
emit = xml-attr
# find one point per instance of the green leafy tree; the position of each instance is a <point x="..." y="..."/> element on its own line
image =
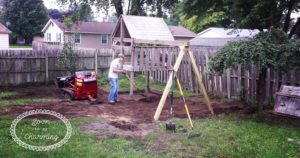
<point x="198" y="15"/>
<point x="252" y="14"/>
<point x="270" y="49"/>
<point x="263" y="14"/>
<point x="129" y="7"/>
<point x="26" y="17"/>
<point x="68" y="58"/>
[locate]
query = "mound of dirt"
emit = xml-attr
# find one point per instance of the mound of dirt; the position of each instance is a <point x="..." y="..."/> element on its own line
<point x="124" y="125"/>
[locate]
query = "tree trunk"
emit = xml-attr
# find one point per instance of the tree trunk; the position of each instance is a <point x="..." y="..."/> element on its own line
<point x="118" y="7"/>
<point x="295" y="29"/>
<point x="260" y="93"/>
<point x="287" y="18"/>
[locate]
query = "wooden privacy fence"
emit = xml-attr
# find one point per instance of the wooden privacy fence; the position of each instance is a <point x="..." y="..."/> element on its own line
<point x="236" y="83"/>
<point x="41" y="65"/>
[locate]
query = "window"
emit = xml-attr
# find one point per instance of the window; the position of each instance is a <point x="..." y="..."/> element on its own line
<point x="104" y="39"/>
<point x="58" y="37"/>
<point x="48" y="35"/>
<point x="77" y="38"/>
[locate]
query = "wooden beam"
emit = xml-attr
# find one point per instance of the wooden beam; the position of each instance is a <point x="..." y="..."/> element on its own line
<point x="200" y="82"/>
<point x="124" y="39"/>
<point x="122" y="36"/>
<point x="160" y="42"/>
<point x="169" y="84"/>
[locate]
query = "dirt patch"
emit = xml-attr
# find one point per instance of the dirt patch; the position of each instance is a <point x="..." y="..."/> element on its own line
<point x="124" y="125"/>
<point x="130" y="109"/>
<point x="32" y="92"/>
<point x="115" y="129"/>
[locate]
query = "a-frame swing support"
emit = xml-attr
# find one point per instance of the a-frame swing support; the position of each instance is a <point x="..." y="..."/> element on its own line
<point x="169" y="83"/>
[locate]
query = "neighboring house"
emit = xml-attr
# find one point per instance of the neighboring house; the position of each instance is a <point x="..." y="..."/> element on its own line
<point x="218" y="37"/>
<point x="84" y="34"/>
<point x="181" y="34"/>
<point x="214" y="32"/>
<point x="4" y="37"/>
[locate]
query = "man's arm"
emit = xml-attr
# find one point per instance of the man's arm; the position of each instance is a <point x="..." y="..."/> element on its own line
<point x="116" y="70"/>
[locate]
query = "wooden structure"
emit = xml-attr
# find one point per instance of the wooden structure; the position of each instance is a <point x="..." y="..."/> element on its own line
<point x="138" y="34"/>
<point x="288" y="101"/>
<point x="183" y="50"/>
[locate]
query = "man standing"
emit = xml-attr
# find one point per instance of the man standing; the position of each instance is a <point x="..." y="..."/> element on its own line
<point x="116" y="66"/>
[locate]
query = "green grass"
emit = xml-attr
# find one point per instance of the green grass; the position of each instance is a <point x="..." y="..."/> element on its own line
<point x="19" y="46"/>
<point x="140" y="82"/>
<point x="231" y="136"/>
<point x="20" y="101"/>
<point x="223" y="136"/>
<point x="80" y="145"/>
<point x="7" y="94"/>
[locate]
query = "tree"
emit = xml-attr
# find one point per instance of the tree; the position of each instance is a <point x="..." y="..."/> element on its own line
<point x="81" y="12"/>
<point x="26" y="18"/>
<point x="68" y="58"/>
<point x="272" y="49"/>
<point x="250" y="14"/>
<point x="198" y="15"/>
<point x="263" y="14"/>
<point x="134" y="7"/>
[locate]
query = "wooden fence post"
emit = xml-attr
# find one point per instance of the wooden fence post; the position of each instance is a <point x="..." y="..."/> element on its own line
<point x="228" y="83"/>
<point x="47" y="67"/>
<point x="96" y="62"/>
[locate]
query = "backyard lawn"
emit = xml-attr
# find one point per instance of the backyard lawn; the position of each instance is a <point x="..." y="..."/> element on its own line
<point x="127" y="130"/>
<point x="19" y="46"/>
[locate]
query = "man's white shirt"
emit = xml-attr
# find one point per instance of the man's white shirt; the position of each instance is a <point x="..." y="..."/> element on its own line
<point x="114" y="64"/>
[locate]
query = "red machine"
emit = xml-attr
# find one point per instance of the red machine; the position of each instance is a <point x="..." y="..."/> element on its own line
<point x="81" y="85"/>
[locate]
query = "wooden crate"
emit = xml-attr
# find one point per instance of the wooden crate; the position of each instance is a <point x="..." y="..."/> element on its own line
<point x="288" y="101"/>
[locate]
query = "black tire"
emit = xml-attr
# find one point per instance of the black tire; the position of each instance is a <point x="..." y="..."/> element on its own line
<point x="68" y="96"/>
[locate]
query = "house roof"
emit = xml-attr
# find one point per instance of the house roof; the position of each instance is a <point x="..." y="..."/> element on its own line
<point x="179" y="31"/>
<point x="214" y="32"/>
<point x="214" y="42"/>
<point x="86" y="27"/>
<point x="4" y="30"/>
<point x="147" y="28"/>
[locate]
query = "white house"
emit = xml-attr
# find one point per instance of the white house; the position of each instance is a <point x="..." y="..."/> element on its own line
<point x="218" y="37"/>
<point x="214" y="32"/>
<point x="4" y="37"/>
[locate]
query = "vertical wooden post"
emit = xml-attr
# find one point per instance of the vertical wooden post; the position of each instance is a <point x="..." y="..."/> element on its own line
<point x="200" y="82"/>
<point x="228" y="84"/>
<point x="47" y="66"/>
<point x="131" y="82"/>
<point x="132" y="72"/>
<point x="169" y="84"/>
<point x="96" y="62"/>
<point x="122" y="34"/>
<point x="268" y="85"/>
<point x="239" y="81"/>
<point x="147" y="81"/>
